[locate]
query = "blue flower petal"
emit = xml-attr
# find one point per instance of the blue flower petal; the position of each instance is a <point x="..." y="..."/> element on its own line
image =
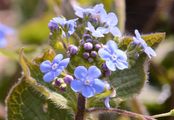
<point x="57" y="58"/>
<point x="93" y="72"/>
<point x="121" y="64"/>
<point x="90" y="27"/>
<point x="103" y="30"/>
<point x="115" y="31"/>
<point x="99" y="9"/>
<point x="111" y="45"/>
<point x="77" y="85"/>
<point x="104" y="54"/>
<point x="150" y="52"/>
<point x="137" y="34"/>
<point x="3" y="42"/>
<point x="80" y="72"/>
<point x="45" y="66"/>
<point x="64" y="63"/>
<point x="111" y="66"/>
<point x="48" y="77"/>
<point x="57" y="72"/>
<point x="107" y="102"/>
<point x="98" y="85"/>
<point x="112" y="19"/>
<point x="88" y="91"/>
<point x="79" y="11"/>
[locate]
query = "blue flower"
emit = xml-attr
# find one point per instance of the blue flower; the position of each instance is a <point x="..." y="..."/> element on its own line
<point x="68" y="26"/>
<point x="54" y="68"/>
<point x="96" y="11"/>
<point x="95" y="32"/>
<point x="111" y="21"/>
<point x="114" y="57"/>
<point x="139" y="41"/>
<point x="4" y="30"/>
<point x="87" y="82"/>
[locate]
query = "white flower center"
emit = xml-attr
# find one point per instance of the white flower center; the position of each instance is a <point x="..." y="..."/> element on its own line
<point x="54" y="66"/>
<point x="114" y="57"/>
<point x="87" y="82"/>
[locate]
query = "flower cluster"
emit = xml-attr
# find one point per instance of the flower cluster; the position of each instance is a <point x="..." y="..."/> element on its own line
<point x="92" y="56"/>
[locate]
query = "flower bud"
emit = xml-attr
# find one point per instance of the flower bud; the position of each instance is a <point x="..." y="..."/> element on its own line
<point x="68" y="79"/>
<point x="104" y="67"/>
<point x="89" y="40"/>
<point x="73" y="49"/>
<point x="58" y="81"/>
<point x="97" y="46"/>
<point x="85" y="55"/>
<point x="63" y="87"/>
<point x="86" y="36"/>
<point x="93" y="53"/>
<point x="107" y="73"/>
<point x="90" y="60"/>
<point x="88" y="46"/>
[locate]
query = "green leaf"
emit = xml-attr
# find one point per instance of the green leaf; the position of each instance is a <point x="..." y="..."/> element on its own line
<point x="27" y="103"/>
<point x="129" y="82"/>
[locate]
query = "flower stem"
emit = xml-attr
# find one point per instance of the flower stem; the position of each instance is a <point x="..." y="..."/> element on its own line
<point x="80" y="108"/>
<point x="163" y="115"/>
<point x="122" y="112"/>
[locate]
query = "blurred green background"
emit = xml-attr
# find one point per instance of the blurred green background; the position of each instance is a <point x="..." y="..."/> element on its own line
<point x="30" y="20"/>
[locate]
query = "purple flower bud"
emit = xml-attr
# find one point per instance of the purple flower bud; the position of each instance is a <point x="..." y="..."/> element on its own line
<point x="82" y="42"/>
<point x="85" y="55"/>
<point x="90" y="60"/>
<point x="86" y="36"/>
<point x="97" y="46"/>
<point x="68" y="79"/>
<point x="104" y="67"/>
<point x="89" y="40"/>
<point x="58" y="81"/>
<point x="52" y="25"/>
<point x="93" y="53"/>
<point x="73" y="49"/>
<point x="63" y="87"/>
<point x="107" y="73"/>
<point x="88" y="46"/>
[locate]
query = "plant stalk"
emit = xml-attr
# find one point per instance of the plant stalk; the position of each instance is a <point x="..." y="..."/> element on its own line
<point x="80" y="108"/>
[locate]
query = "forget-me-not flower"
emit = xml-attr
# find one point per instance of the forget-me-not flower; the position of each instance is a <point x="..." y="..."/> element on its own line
<point x="4" y="30"/>
<point x="111" y="21"/>
<point x="54" y="68"/>
<point x="67" y="25"/>
<point x="95" y="32"/>
<point x="114" y="57"/>
<point x="97" y="11"/>
<point x="86" y="81"/>
<point x="138" y="40"/>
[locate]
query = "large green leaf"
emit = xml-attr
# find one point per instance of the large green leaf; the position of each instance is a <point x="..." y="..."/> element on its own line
<point x="130" y="81"/>
<point x="29" y="99"/>
<point x="26" y="103"/>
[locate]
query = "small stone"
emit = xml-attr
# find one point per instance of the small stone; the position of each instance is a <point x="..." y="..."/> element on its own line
<point x="88" y="46"/>
<point x="85" y="55"/>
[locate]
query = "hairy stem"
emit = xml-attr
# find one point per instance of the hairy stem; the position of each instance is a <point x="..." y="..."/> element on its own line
<point x="80" y="108"/>
<point x="122" y="112"/>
